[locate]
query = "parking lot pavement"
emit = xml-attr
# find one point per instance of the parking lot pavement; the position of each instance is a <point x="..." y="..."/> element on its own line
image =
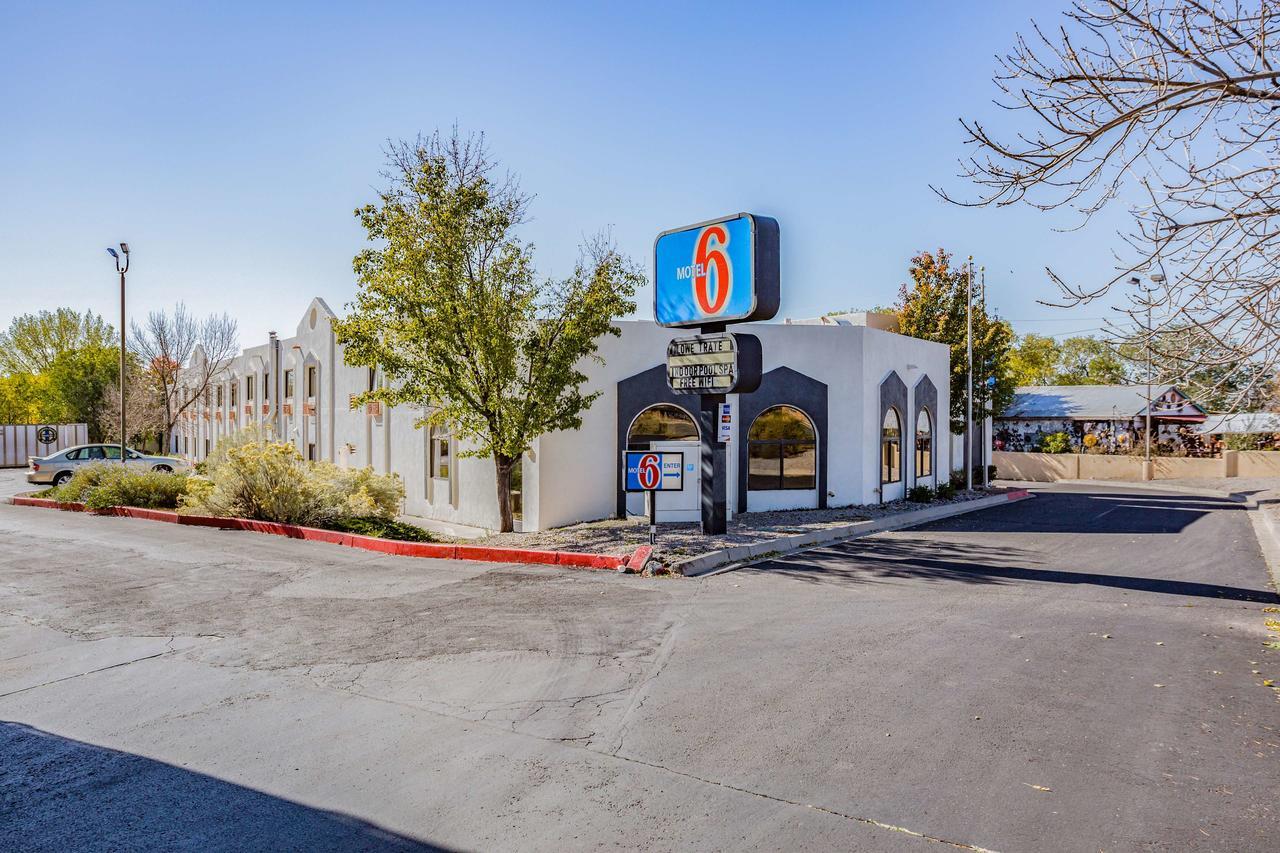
<point x="1074" y="672"/>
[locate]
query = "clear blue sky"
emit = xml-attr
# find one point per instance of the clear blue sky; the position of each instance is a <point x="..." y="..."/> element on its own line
<point x="228" y="143"/>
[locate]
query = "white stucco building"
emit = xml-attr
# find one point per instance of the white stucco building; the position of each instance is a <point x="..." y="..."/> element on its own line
<point x="846" y="413"/>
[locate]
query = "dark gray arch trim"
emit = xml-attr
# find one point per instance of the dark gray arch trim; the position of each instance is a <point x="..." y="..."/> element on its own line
<point x="893" y="395"/>
<point x="925" y="397"/>
<point x="783" y="386"/>
<point x="635" y="394"/>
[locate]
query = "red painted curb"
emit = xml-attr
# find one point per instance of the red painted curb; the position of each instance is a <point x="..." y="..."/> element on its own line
<point x="639" y="558"/>
<point x="1017" y="493"/>
<point x="430" y="550"/>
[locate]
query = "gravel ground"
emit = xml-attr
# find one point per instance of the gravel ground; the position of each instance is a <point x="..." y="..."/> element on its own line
<point x="617" y="536"/>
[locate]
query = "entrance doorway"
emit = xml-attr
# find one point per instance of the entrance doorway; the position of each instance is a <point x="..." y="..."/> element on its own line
<point x="668" y="428"/>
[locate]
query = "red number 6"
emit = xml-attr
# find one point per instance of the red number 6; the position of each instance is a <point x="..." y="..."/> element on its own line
<point x="707" y="257"/>
<point x="649" y="472"/>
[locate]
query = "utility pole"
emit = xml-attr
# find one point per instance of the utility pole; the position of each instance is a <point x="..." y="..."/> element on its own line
<point x="986" y="382"/>
<point x="1146" y="298"/>
<point x="968" y="397"/>
<point x="124" y="247"/>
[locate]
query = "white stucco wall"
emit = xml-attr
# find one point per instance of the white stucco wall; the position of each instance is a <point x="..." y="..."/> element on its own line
<point x="571" y="476"/>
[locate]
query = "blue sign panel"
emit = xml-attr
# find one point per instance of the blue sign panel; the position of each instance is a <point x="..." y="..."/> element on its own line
<point x="650" y="471"/>
<point x="722" y="271"/>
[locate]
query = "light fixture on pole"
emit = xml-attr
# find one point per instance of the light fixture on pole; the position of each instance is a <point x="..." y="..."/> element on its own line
<point x="124" y="248"/>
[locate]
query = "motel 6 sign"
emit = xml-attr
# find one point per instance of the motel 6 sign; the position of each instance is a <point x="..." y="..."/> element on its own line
<point x="650" y="471"/>
<point x="721" y="271"/>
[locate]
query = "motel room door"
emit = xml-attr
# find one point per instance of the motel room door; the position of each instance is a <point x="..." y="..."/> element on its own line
<point x="686" y="504"/>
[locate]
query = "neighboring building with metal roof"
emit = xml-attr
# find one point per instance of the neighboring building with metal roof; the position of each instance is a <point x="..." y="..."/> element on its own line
<point x="1243" y="423"/>
<point x="1114" y="414"/>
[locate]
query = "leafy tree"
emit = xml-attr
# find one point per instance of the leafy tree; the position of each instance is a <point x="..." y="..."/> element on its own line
<point x="23" y="398"/>
<point x="1089" y="361"/>
<point x="1203" y="367"/>
<point x="1034" y="361"/>
<point x="449" y="305"/>
<point x="932" y="307"/>
<point x="77" y="381"/>
<point x="33" y="341"/>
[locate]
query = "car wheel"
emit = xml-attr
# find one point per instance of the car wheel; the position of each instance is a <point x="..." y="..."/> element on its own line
<point x="162" y="469"/>
<point x="61" y="479"/>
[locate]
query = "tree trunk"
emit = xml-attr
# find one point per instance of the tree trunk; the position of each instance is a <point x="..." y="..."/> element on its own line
<point x="504" y="466"/>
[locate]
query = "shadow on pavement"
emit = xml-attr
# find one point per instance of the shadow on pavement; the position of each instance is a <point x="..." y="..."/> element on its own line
<point x="62" y="794"/>
<point x="884" y="559"/>
<point x="1091" y="512"/>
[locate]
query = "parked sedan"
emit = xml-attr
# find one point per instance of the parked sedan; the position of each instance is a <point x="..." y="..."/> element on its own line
<point x="57" y="468"/>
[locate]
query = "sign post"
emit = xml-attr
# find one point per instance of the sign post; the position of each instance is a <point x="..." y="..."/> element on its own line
<point x="650" y="472"/>
<point x="706" y="276"/>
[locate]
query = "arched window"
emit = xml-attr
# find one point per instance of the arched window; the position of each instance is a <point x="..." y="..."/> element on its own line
<point x="924" y="445"/>
<point x="661" y="423"/>
<point x="782" y="451"/>
<point x="891" y="447"/>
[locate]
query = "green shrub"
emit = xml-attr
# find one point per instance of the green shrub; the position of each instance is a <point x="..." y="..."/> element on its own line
<point x="357" y="492"/>
<point x="945" y="491"/>
<point x="107" y="485"/>
<point x="920" y="494"/>
<point x="251" y="477"/>
<point x="1056" y="442"/>
<point x="381" y="527"/>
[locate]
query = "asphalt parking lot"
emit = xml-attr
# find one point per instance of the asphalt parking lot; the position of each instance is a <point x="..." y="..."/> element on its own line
<point x="1073" y="672"/>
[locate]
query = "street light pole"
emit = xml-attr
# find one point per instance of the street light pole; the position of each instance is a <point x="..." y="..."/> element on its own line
<point x="124" y="247"/>
<point x="968" y="397"/>
<point x="986" y="382"/>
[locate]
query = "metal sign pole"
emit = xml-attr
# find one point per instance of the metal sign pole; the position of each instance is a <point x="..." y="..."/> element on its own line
<point x="653" y="517"/>
<point x="714" y="471"/>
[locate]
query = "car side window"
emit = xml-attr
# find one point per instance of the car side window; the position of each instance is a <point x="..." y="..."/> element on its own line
<point x="112" y="451"/>
<point x="73" y="455"/>
<point x="92" y="453"/>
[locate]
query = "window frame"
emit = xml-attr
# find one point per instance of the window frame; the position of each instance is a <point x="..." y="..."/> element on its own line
<point x="887" y="442"/>
<point x="782" y="445"/>
<point x="922" y="475"/>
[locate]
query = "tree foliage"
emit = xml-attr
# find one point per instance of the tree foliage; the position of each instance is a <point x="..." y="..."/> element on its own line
<point x="1168" y="107"/>
<point x="33" y="341"/>
<point x="933" y="307"/>
<point x="450" y="307"/>
<point x="1083" y="360"/>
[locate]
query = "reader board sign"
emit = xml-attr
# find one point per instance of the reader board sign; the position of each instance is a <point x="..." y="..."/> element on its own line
<point x="721" y="271"/>
<point x="649" y="471"/>
<point x="719" y="363"/>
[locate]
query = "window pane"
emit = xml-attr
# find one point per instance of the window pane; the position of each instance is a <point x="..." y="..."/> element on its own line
<point x="799" y="465"/>
<point x="781" y="422"/>
<point x="661" y="423"/>
<point x="892" y="426"/>
<point x="890" y="461"/>
<point x="764" y="469"/>
<point x="924" y="458"/>
<point x="111" y="451"/>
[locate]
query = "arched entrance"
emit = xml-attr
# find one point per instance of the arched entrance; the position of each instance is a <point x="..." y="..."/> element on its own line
<point x="668" y="428"/>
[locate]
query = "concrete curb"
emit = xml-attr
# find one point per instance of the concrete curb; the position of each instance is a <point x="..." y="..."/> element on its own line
<point x="1157" y="486"/>
<point x="704" y="564"/>
<point x="440" y="551"/>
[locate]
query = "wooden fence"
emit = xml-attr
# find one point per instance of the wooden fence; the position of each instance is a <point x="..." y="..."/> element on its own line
<point x="19" y="442"/>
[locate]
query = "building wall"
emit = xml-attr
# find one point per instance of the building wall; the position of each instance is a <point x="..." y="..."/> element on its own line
<point x="571" y="476"/>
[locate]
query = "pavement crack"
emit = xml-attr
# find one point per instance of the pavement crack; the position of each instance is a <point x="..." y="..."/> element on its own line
<point x="961" y="845"/>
